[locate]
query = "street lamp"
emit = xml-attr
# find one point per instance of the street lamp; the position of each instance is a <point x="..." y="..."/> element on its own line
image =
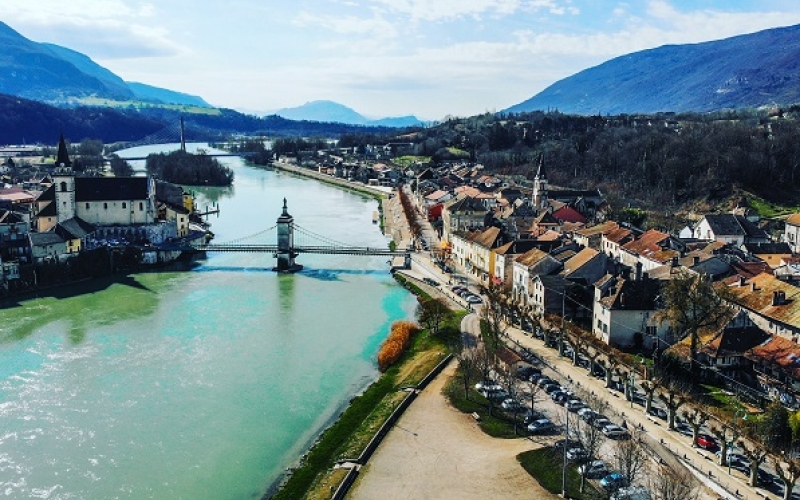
<point x="564" y="463"/>
<point x="631" y="385"/>
<point x="730" y="443"/>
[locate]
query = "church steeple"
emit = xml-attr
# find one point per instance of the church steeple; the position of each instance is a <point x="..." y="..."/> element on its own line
<point x="540" y="187"/>
<point x="62" y="158"/>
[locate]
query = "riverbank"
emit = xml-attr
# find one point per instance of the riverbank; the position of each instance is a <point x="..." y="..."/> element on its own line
<point x="348" y="441"/>
<point x="373" y="191"/>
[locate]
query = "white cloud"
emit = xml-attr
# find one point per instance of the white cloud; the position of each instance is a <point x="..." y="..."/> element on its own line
<point x="107" y="29"/>
<point x="375" y="26"/>
<point x="448" y="10"/>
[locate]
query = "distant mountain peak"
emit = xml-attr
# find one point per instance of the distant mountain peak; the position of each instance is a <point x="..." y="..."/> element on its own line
<point x="743" y="71"/>
<point x="334" y="112"/>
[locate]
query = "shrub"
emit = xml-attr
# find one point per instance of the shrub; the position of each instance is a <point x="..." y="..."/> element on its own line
<point x="396" y="343"/>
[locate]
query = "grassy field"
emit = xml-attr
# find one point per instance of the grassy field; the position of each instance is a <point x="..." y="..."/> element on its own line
<point x="109" y="103"/>
<point x="545" y="465"/>
<point x="497" y="424"/>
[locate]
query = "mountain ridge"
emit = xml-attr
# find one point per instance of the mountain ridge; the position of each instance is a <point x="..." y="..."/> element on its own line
<point x="750" y="70"/>
<point x="58" y="75"/>
<point x="334" y="112"/>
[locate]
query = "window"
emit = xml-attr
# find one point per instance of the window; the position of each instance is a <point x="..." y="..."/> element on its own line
<point x="141" y="206"/>
<point x="124" y="205"/>
<point x="63" y="187"/>
<point x="105" y="206"/>
<point x="650" y="330"/>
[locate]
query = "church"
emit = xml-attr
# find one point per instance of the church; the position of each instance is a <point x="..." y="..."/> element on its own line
<point x="80" y="209"/>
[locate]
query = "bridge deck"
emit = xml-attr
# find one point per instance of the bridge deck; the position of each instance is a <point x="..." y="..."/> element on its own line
<point x="383" y="252"/>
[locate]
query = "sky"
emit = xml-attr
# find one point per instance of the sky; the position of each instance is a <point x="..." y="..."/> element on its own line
<point x="429" y="58"/>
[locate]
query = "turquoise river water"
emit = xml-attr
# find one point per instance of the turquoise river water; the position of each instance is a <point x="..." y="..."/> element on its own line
<point x="204" y="384"/>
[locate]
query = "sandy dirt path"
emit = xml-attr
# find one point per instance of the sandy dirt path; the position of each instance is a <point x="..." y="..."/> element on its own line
<point x="437" y="452"/>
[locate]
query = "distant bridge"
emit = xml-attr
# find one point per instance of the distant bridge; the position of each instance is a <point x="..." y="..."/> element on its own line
<point x="171" y="134"/>
<point x="286" y="250"/>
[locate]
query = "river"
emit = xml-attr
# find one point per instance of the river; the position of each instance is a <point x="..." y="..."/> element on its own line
<point x="204" y="384"/>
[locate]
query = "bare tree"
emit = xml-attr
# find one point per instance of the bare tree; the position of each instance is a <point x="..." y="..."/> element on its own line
<point x="610" y="366"/>
<point x="509" y="382"/>
<point x="468" y="359"/>
<point x="534" y="393"/>
<point x="670" y="483"/>
<point x="592" y="354"/>
<point x="725" y="434"/>
<point x="788" y="472"/>
<point x="673" y="399"/>
<point x="630" y="457"/>
<point x="649" y="387"/>
<point x="483" y="361"/>
<point x="493" y="314"/>
<point x="432" y="312"/>
<point x="692" y="305"/>
<point x="695" y="419"/>
<point x="589" y="436"/>
<point x="756" y="454"/>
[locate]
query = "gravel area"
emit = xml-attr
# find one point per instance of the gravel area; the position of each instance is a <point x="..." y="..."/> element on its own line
<point x="437" y="452"/>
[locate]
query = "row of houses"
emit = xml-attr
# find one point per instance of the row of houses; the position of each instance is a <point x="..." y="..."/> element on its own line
<point x="554" y="253"/>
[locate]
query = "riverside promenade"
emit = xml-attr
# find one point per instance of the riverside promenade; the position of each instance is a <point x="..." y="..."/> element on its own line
<point x="438" y="453"/>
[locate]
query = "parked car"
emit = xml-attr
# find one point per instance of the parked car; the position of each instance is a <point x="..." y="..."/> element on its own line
<point x="707" y="442"/>
<point x="615" y="432"/>
<point x="551" y="388"/>
<point x="431" y="281"/>
<point x="533" y="415"/>
<point x="638" y="398"/>
<point x="535" y="377"/>
<point x="683" y="428"/>
<point x="511" y="404"/>
<point x="601" y="422"/>
<point x="559" y="396"/>
<point x="540" y="426"/>
<point x="594" y="470"/>
<point x="577" y="454"/>
<point x="544" y="381"/>
<point x="569" y="443"/>
<point x="457" y="288"/>
<point x="658" y="412"/>
<point x="574" y="405"/>
<point x="613" y="481"/>
<point x="525" y="372"/>
<point x="473" y="299"/>
<point x="737" y="460"/>
<point x="497" y="395"/>
<point x="632" y="493"/>
<point x="485" y="384"/>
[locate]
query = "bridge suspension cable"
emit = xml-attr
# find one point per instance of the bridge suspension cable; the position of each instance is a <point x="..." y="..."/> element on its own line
<point x="249" y="237"/>
<point x="318" y="237"/>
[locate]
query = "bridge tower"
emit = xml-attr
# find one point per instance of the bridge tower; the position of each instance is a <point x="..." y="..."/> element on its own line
<point x="286" y="253"/>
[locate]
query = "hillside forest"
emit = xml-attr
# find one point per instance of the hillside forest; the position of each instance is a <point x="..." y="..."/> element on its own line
<point x="660" y="160"/>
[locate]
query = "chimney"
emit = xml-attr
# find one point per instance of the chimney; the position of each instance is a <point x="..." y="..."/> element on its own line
<point x="742" y="280"/>
<point x="638" y="271"/>
<point x="778" y="298"/>
<point x="753" y="287"/>
<point x="695" y="260"/>
<point x="675" y="262"/>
